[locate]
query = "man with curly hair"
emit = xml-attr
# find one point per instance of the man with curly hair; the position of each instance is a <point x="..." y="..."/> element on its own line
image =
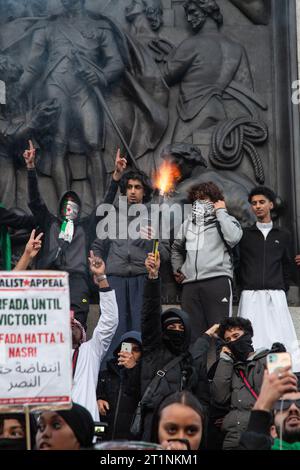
<point x="201" y="258"/>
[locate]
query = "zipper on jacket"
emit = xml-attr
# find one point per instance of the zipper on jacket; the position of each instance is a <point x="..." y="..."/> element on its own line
<point x="129" y="258"/>
<point x="264" y="263"/>
<point x="196" y="257"/>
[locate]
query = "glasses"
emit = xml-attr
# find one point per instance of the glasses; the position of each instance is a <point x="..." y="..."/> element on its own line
<point x="283" y="405"/>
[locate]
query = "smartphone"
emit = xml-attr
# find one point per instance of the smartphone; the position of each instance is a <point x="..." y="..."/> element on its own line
<point x="276" y="361"/>
<point x="100" y="430"/>
<point x="126" y="347"/>
<point x="155" y="248"/>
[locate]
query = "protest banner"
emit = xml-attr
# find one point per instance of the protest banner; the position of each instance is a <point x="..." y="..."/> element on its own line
<point x="35" y="340"/>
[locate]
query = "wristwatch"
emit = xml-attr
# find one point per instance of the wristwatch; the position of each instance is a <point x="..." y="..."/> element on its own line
<point x="101" y="277"/>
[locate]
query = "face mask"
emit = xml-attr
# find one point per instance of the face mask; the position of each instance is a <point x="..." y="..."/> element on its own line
<point x="13" y="444"/>
<point x="71" y="210"/>
<point x="242" y="347"/>
<point x="174" y="340"/>
<point x="202" y="210"/>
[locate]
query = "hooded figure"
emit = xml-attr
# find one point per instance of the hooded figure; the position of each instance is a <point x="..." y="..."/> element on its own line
<point x="119" y="387"/>
<point x="66" y="241"/>
<point x="161" y="344"/>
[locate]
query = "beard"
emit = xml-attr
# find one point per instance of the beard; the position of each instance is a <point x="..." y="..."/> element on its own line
<point x="289" y="435"/>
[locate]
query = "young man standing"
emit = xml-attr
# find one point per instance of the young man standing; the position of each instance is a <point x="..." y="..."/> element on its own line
<point x="125" y="253"/>
<point x="201" y="258"/>
<point x="264" y="277"/>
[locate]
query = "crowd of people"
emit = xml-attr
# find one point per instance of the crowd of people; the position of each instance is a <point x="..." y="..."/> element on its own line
<point x="189" y="377"/>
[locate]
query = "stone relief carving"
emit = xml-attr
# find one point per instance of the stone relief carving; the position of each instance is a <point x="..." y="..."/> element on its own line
<point x="161" y="87"/>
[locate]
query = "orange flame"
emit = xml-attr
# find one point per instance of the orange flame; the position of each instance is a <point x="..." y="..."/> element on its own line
<point x="166" y="177"/>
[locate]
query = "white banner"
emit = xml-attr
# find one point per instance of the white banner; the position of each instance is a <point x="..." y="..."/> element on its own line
<point x="35" y="340"/>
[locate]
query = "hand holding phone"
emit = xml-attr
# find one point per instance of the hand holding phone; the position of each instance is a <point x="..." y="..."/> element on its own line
<point x="126" y="347"/>
<point x="277" y="361"/>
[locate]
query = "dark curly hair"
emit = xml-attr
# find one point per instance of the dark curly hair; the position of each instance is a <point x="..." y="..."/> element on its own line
<point x="235" y="322"/>
<point x="264" y="191"/>
<point x="184" y="398"/>
<point x="210" y="8"/>
<point x="205" y="190"/>
<point x="140" y="176"/>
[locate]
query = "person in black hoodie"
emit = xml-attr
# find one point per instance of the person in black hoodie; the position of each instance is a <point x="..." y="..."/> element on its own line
<point x="67" y="236"/>
<point x="166" y="336"/>
<point x="118" y="390"/>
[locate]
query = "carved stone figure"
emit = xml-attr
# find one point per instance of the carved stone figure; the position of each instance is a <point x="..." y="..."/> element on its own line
<point x="258" y="11"/>
<point x="80" y="53"/>
<point x="207" y="66"/>
<point x="17" y="124"/>
<point x="145" y="14"/>
<point x="146" y="18"/>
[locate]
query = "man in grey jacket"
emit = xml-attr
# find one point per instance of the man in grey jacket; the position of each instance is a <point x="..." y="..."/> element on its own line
<point x="201" y="259"/>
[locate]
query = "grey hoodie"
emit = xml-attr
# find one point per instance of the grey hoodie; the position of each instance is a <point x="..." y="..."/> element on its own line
<point x="199" y="251"/>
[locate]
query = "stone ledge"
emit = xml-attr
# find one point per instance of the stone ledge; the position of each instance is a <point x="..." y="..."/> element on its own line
<point x="94" y="315"/>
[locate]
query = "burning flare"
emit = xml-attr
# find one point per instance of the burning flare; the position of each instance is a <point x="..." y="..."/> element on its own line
<point x="166" y="177"/>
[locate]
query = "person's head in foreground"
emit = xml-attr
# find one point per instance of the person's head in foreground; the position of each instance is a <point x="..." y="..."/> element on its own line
<point x="286" y="412"/>
<point x="65" y="429"/>
<point x="179" y="422"/>
<point x="280" y="396"/>
<point x="13" y="431"/>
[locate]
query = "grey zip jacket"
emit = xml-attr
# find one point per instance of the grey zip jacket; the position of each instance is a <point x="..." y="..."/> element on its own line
<point x="199" y="252"/>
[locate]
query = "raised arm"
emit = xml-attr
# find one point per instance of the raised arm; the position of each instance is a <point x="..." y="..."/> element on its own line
<point x="221" y="384"/>
<point x="108" y="322"/>
<point x="36" y="204"/>
<point x="151" y="311"/>
<point x="231" y="228"/>
<point x="32" y="248"/>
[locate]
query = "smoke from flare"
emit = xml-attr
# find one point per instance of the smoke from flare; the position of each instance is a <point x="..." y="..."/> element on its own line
<point x="166" y="177"/>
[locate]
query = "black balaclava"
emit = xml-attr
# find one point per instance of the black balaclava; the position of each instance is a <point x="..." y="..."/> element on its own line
<point x="13" y="444"/>
<point x="241" y="347"/>
<point x="174" y="339"/>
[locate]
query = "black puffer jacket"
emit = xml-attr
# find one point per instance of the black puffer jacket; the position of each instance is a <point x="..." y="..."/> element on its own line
<point x="120" y="387"/>
<point x="229" y="389"/>
<point x="189" y="374"/>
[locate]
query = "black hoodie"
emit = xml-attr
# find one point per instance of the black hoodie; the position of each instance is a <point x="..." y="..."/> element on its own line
<point x="120" y="387"/>
<point x="189" y="374"/>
